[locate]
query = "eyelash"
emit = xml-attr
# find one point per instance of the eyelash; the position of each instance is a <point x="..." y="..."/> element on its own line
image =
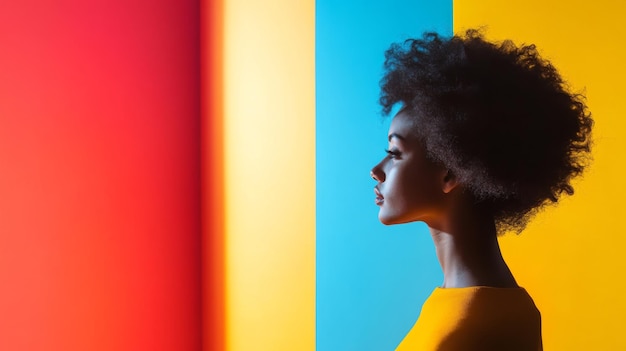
<point x="392" y="153"/>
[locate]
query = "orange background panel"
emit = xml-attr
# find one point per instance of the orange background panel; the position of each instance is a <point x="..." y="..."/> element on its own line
<point x="212" y="175"/>
<point x="99" y="147"/>
<point x="571" y="257"/>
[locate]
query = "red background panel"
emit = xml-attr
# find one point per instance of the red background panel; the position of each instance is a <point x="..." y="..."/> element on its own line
<point x="100" y="179"/>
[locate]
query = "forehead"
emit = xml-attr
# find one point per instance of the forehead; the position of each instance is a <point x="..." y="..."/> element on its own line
<point x="402" y="125"/>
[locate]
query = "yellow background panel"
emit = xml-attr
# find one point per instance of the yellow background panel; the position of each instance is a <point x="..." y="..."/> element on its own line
<point x="572" y="257"/>
<point x="270" y="174"/>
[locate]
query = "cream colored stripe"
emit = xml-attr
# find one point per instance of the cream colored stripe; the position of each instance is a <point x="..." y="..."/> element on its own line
<point x="270" y="174"/>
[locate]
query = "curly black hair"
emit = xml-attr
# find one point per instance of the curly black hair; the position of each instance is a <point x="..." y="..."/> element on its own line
<point x="497" y="115"/>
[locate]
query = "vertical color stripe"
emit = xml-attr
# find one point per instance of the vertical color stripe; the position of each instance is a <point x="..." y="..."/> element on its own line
<point x="571" y="257"/>
<point x="269" y="123"/>
<point x="99" y="147"/>
<point x="371" y="279"/>
<point x="212" y="177"/>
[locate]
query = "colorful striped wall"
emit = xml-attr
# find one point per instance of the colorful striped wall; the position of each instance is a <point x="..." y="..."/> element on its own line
<point x="186" y="175"/>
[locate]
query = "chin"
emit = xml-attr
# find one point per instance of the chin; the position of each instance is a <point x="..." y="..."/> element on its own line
<point x="390" y="220"/>
<point x="397" y="218"/>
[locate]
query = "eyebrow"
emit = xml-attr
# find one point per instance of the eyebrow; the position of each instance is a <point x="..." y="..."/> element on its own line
<point x="392" y="135"/>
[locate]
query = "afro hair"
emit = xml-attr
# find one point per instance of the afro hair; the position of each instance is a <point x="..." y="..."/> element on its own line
<point x="497" y="115"/>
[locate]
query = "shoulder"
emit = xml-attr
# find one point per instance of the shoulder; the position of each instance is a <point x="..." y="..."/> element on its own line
<point x="477" y="318"/>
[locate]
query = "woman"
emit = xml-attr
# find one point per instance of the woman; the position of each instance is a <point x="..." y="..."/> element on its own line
<point x="487" y="134"/>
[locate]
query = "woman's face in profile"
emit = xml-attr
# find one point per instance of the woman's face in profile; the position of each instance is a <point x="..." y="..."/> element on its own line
<point x="409" y="185"/>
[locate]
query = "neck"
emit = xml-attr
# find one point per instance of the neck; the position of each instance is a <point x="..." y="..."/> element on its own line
<point x="469" y="254"/>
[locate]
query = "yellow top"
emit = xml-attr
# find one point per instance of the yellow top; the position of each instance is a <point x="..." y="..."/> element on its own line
<point x="476" y="318"/>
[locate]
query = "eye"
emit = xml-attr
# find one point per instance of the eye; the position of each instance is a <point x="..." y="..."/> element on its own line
<point x="393" y="154"/>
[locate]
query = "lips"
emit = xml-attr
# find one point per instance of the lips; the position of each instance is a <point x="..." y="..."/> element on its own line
<point x="379" y="198"/>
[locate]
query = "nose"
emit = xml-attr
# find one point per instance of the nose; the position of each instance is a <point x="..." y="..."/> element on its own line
<point x="377" y="173"/>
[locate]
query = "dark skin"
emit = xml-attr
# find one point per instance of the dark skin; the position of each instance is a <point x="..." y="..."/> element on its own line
<point x="410" y="187"/>
<point x="467" y="248"/>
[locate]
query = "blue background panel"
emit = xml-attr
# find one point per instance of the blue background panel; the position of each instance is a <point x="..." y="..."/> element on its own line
<point x="371" y="280"/>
